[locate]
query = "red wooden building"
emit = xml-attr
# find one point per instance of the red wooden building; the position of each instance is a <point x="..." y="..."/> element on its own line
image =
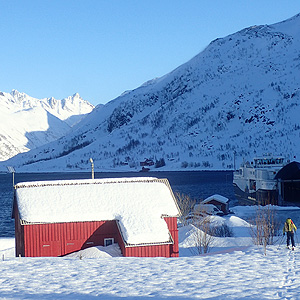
<point x="221" y="202"/>
<point x="147" y="162"/>
<point x="55" y="218"/>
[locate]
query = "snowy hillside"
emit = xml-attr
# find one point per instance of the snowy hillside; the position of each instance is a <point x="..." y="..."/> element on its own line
<point x="27" y="123"/>
<point x="239" y="97"/>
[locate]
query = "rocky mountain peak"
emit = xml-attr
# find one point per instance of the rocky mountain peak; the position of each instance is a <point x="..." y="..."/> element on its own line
<point x="236" y="99"/>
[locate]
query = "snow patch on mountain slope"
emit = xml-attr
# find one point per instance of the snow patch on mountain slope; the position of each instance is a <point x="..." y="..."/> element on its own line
<point x="236" y="99"/>
<point x="26" y="122"/>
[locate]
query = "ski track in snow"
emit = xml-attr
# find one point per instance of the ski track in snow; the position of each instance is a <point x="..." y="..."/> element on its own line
<point x="238" y="275"/>
<point x="289" y="283"/>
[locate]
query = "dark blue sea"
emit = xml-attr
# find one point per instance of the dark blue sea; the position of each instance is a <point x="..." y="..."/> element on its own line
<point x="197" y="184"/>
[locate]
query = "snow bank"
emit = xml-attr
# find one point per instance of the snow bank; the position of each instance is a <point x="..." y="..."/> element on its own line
<point x="243" y="274"/>
<point x="7" y="247"/>
<point x="234" y="269"/>
<point x="6" y="243"/>
<point x="97" y="252"/>
<point x="137" y="203"/>
<point x="241" y="239"/>
<point x="249" y="210"/>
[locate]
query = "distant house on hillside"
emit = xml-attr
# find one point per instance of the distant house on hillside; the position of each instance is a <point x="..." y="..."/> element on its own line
<point x="54" y="218"/>
<point x="147" y="162"/>
<point x="221" y="202"/>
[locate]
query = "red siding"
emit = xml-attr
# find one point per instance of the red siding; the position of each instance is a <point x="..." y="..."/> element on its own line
<point x="172" y="225"/>
<point x="59" y="239"/>
<point x="161" y="250"/>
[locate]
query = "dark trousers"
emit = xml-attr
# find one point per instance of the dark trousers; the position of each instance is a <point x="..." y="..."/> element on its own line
<point x="290" y="237"/>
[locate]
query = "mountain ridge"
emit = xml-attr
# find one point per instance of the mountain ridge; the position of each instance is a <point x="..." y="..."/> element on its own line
<point x="27" y="122"/>
<point x="236" y="99"/>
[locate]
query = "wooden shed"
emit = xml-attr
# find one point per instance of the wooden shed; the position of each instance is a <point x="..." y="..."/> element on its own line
<point x="221" y="202"/>
<point x="55" y="218"/>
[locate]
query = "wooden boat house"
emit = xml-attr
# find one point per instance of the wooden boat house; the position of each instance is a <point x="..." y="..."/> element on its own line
<point x="221" y="202"/>
<point x="55" y="218"/>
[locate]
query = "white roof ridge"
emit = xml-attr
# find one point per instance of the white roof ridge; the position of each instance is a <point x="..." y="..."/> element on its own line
<point x="218" y="197"/>
<point x="87" y="181"/>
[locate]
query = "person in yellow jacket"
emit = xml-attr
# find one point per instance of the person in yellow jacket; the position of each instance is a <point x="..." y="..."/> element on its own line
<point x="289" y="228"/>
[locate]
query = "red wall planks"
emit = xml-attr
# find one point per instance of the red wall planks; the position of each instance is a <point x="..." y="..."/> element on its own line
<point x="58" y="239"/>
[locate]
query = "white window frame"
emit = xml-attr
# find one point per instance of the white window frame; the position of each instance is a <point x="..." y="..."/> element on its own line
<point x="109" y="241"/>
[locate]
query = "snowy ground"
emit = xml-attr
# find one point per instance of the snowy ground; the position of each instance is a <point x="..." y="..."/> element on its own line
<point x="234" y="269"/>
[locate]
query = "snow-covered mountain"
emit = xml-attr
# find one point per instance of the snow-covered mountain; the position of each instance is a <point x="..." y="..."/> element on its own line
<point x="27" y="123"/>
<point x="239" y="97"/>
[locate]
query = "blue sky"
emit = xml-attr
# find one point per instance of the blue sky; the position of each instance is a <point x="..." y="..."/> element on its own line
<point x="55" y="48"/>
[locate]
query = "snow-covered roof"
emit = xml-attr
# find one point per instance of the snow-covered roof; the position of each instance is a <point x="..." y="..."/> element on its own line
<point x="216" y="197"/>
<point x="137" y="203"/>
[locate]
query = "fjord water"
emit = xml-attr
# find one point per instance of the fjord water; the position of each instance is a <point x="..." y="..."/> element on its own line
<point x="197" y="184"/>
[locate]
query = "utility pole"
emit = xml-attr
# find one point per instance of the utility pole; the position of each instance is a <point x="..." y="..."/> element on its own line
<point x="92" y="164"/>
<point x="12" y="170"/>
<point x="234" y="161"/>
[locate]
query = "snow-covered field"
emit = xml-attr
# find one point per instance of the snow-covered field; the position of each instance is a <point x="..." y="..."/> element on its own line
<point x="233" y="269"/>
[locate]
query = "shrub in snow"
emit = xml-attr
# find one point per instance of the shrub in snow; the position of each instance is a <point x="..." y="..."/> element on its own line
<point x="204" y="236"/>
<point x="265" y="226"/>
<point x="222" y="231"/>
<point x="186" y="205"/>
